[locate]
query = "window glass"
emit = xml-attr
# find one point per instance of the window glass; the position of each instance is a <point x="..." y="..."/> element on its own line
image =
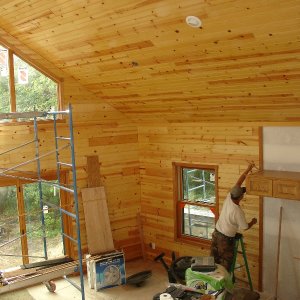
<point x="34" y="226"/>
<point x="4" y="81"/>
<point x="199" y="185"/>
<point x="198" y="221"/>
<point x="196" y="201"/>
<point x="10" y="242"/>
<point x="21" y="226"/>
<point x="34" y="90"/>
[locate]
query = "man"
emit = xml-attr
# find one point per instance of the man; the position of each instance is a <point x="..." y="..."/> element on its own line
<point x="232" y="219"/>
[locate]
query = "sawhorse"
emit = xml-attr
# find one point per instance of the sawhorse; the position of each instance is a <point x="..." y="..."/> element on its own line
<point x="239" y="240"/>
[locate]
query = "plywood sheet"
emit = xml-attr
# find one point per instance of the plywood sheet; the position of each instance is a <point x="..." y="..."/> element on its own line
<point x="99" y="235"/>
<point x="281" y="153"/>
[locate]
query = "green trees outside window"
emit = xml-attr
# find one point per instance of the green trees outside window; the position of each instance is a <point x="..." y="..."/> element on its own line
<point x="29" y="90"/>
<point x="196" y="201"/>
<point x="28" y="208"/>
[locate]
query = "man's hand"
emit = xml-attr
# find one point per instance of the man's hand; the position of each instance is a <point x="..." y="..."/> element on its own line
<point x="250" y="167"/>
<point x="244" y="175"/>
<point x="253" y="222"/>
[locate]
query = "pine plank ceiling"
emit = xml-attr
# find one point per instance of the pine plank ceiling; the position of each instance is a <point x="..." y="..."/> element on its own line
<point x="142" y="58"/>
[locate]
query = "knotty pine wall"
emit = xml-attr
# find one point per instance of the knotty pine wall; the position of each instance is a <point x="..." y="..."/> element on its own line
<point x="242" y="67"/>
<point x="228" y="146"/>
<point x="99" y="130"/>
<point x="143" y="59"/>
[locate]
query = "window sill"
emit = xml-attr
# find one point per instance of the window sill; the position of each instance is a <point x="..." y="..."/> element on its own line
<point x="18" y="123"/>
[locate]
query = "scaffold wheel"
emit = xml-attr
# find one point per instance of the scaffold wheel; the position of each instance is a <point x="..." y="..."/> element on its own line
<point x="50" y="285"/>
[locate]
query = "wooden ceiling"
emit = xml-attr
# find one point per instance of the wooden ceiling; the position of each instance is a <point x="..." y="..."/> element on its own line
<point x="142" y="58"/>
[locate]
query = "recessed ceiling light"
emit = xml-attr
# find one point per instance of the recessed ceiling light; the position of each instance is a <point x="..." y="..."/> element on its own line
<point x="193" y="21"/>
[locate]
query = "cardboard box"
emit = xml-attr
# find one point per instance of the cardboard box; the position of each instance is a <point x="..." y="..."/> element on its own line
<point x="109" y="271"/>
<point x="90" y="270"/>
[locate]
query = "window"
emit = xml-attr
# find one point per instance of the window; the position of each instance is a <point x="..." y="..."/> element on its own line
<point x="24" y="88"/>
<point x="9" y="228"/>
<point x="33" y="223"/>
<point x="195" y="192"/>
<point x="21" y="230"/>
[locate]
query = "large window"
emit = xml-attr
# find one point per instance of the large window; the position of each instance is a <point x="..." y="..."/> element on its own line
<point x="9" y="228"/>
<point x="23" y="237"/>
<point x="24" y="88"/>
<point x="196" y="201"/>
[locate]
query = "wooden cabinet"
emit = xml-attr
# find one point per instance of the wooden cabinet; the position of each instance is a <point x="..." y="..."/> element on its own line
<point x="277" y="184"/>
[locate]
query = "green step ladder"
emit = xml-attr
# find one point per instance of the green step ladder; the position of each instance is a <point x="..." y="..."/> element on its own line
<point x="239" y="240"/>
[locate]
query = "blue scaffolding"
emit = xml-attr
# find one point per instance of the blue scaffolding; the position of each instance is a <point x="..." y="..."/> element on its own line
<point x="69" y="140"/>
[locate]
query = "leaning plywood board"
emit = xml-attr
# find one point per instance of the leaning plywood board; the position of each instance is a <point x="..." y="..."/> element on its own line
<point x="99" y="236"/>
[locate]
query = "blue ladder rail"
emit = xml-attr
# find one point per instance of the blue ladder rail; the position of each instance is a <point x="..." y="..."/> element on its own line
<point x="74" y="192"/>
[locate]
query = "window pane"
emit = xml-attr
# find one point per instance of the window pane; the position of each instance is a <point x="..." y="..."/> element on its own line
<point x="4" y="81"/>
<point x="198" y="185"/>
<point x="34" y="90"/>
<point x="198" y="221"/>
<point x="34" y="224"/>
<point x="9" y="228"/>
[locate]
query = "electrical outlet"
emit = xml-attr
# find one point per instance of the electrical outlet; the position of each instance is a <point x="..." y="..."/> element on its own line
<point x="152" y="245"/>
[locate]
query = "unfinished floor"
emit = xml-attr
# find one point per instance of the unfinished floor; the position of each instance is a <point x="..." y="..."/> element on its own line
<point x="155" y="284"/>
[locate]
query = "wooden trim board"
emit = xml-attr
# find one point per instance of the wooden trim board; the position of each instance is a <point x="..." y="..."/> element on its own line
<point x="99" y="235"/>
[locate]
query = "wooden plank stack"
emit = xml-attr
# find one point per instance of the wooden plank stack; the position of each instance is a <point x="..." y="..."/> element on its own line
<point x="102" y="254"/>
<point x="10" y="281"/>
<point x="99" y="235"/>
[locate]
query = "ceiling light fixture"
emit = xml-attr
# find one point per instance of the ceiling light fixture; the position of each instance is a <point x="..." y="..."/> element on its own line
<point x="193" y="21"/>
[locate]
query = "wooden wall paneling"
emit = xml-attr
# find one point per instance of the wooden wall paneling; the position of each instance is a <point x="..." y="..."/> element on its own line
<point x="241" y="67"/>
<point x="119" y="161"/>
<point x="141" y="233"/>
<point x="66" y="203"/>
<point x="237" y="73"/>
<point x="93" y="171"/>
<point x="228" y="147"/>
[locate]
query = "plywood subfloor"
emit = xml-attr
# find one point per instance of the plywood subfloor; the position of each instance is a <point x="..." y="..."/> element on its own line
<point x="157" y="283"/>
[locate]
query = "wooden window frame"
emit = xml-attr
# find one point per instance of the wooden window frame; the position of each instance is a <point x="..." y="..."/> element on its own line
<point x="178" y="194"/>
<point x="11" y="52"/>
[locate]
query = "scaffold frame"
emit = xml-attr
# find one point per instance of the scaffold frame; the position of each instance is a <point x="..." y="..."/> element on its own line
<point x="4" y="172"/>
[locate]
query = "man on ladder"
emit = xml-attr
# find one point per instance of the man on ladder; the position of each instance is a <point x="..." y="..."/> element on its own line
<point x="225" y="239"/>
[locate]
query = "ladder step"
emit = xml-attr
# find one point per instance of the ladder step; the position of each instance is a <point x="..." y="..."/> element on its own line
<point x="64" y="164"/>
<point x="63" y="138"/>
<point x="239" y="267"/>
<point x="70" y="238"/>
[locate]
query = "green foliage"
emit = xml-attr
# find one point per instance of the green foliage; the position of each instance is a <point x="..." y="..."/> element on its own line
<point x="52" y="226"/>
<point x="197" y="185"/>
<point x="8" y="201"/>
<point x="9" y="211"/>
<point x="4" y="95"/>
<point x="32" y="203"/>
<point x="40" y="93"/>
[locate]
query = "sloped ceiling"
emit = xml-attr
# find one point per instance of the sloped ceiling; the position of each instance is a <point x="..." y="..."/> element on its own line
<point x="142" y="58"/>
